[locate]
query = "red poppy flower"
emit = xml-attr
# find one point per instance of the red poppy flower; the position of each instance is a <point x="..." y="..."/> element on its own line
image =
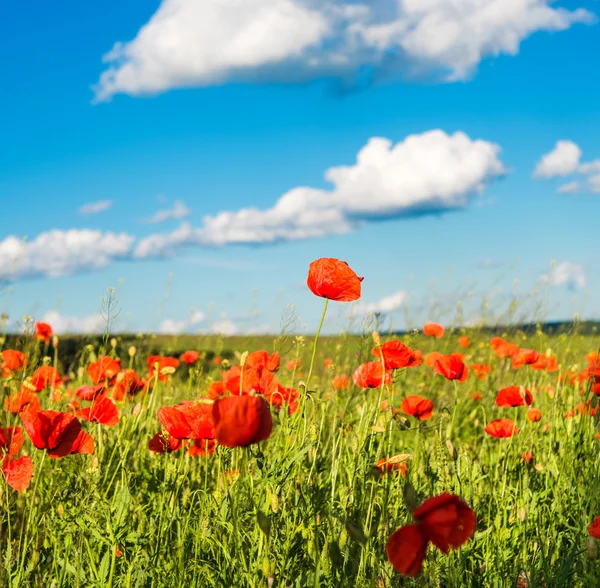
<point x="45" y="377"/>
<point x="161" y="443"/>
<point x="190" y="357"/>
<point x="464" y="341"/>
<point x="534" y="415"/>
<point x="23" y="400"/>
<point x="586" y="409"/>
<point x="417" y="406"/>
<point x="371" y="375"/>
<point x="11" y="440"/>
<point x="17" y="472"/>
<point x="242" y="420"/>
<point x="340" y="382"/>
<point x="476" y="396"/>
<point x="406" y="549"/>
<point x="432" y="357"/>
<point x="102" y="411"/>
<point x="105" y="368"/>
<point x="524" y="357"/>
<point x="292" y="364"/>
<point x="216" y="389"/>
<point x="512" y="396"/>
<point x="333" y="279"/>
<point x="594" y="528"/>
<point x="12" y="360"/>
<point x="43" y="332"/>
<point x="527" y="457"/>
<point x="593" y="359"/>
<point x="328" y="363"/>
<point x="58" y="433"/>
<point x="217" y="360"/>
<point x="127" y="384"/>
<point x="540" y="363"/>
<point x="447" y="521"/>
<point x="261" y="359"/>
<point x="433" y="330"/>
<point x="202" y="447"/>
<point x="387" y="465"/>
<point x="501" y="428"/>
<point x="481" y="370"/>
<point x="552" y="364"/>
<point x="452" y="367"/>
<point x="89" y="392"/>
<point x="188" y="421"/>
<point x="163" y="366"/>
<point x="396" y="355"/>
<point x="503" y="348"/>
<point x="283" y="395"/>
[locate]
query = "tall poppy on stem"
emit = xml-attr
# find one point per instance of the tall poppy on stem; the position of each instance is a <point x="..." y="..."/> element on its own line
<point x="446" y="520"/>
<point x="242" y="420"/>
<point x="43" y="332"/>
<point x="331" y="279"/>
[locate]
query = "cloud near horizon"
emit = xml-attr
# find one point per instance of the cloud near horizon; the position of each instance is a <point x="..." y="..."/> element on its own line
<point x="424" y="174"/>
<point x="191" y="44"/>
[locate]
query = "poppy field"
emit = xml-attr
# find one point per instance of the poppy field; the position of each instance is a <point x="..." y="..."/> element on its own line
<point x="441" y="457"/>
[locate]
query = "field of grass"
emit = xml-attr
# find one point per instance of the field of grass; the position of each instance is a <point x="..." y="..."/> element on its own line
<point x="307" y="506"/>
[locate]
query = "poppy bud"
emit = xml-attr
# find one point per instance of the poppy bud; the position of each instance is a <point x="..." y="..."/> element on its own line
<point x="591" y="548"/>
<point x="410" y="497"/>
<point x="264" y="523"/>
<point x="356" y="532"/>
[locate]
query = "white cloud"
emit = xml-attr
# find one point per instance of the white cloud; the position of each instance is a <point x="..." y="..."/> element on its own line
<point x="93" y="323"/>
<point x="564" y="160"/>
<point x="175" y="327"/>
<point x="425" y="174"/>
<point x="56" y="252"/>
<point x="190" y="43"/>
<point x="95" y="207"/>
<point x="178" y="211"/>
<point x="224" y="327"/>
<point x="565" y="273"/>
<point x="386" y="304"/>
<point x="561" y="161"/>
<point x="569" y="188"/>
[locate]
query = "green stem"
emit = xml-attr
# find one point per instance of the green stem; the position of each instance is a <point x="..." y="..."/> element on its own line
<point x="314" y="351"/>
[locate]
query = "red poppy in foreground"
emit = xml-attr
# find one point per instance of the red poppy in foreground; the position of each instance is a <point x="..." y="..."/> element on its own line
<point x="163" y="366"/>
<point x="23" y="400"/>
<point x="102" y="411"/>
<point x="58" y="433"/>
<point x="333" y="279"/>
<point x="433" y="330"/>
<point x="45" y="377"/>
<point x="513" y="396"/>
<point x="397" y="355"/>
<point x="188" y="421"/>
<point x="594" y="528"/>
<point x="189" y="357"/>
<point x="242" y="420"/>
<point x="43" y="332"/>
<point x="17" y="472"/>
<point x="371" y="375"/>
<point x="12" y="360"/>
<point x="445" y="520"/>
<point x="105" y="368"/>
<point x="501" y="428"/>
<point x="417" y="406"/>
<point x="452" y="367"/>
<point x="262" y="359"/>
<point x="127" y="384"/>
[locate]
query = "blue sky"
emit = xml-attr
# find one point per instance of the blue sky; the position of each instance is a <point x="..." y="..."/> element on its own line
<point x="220" y="112"/>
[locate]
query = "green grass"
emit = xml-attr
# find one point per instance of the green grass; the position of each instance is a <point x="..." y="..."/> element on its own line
<point x="305" y="508"/>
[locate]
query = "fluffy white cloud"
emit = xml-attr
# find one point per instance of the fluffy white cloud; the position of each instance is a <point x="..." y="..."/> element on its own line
<point x="561" y="161"/>
<point x="569" y="188"/>
<point x="565" y="160"/>
<point x="224" y="327"/>
<point x="565" y="273"/>
<point x="191" y="43"/>
<point x="93" y="323"/>
<point x="178" y="211"/>
<point x="425" y="174"/>
<point x="57" y="253"/>
<point x="95" y="207"/>
<point x="386" y="304"/>
<point x="175" y="327"/>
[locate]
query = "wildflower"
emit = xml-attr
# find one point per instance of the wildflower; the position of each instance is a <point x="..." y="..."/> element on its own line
<point x="481" y="370"/>
<point x="594" y="528"/>
<point x="464" y="341"/>
<point x="433" y="330"/>
<point x="45" y="377"/>
<point x="161" y="366"/>
<point x="534" y="415"/>
<point x="371" y="375"/>
<point x="43" y="332"/>
<point x="501" y="428"/>
<point x="340" y="382"/>
<point x="524" y="357"/>
<point x="417" y="406"/>
<point x="333" y="279"/>
<point x="452" y="367"/>
<point x="58" y="433"/>
<point x="241" y="420"/>
<point x="12" y="360"/>
<point x="190" y="357"/>
<point x="102" y="411"/>
<point x="396" y="355"/>
<point x="391" y="465"/>
<point x="162" y="443"/>
<point x="188" y="421"/>
<point x="105" y="368"/>
<point x="513" y="396"/>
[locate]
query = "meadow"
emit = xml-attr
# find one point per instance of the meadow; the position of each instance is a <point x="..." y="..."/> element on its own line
<point x="203" y="461"/>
